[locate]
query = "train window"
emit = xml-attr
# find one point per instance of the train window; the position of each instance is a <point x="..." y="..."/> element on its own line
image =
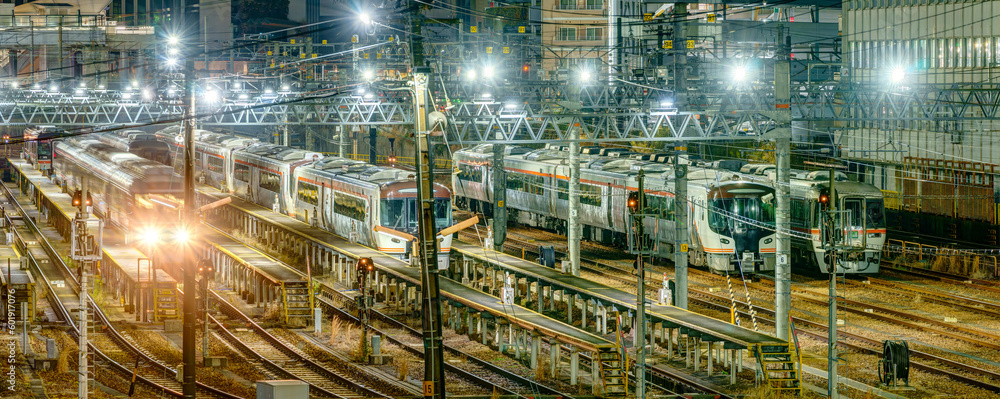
<point x="874" y="213"/>
<point x="442" y="212"/>
<point x="589" y="194"/>
<point x="394" y="213"/>
<point x="853" y="206"/>
<point x="308" y="193"/>
<point x="527" y="183"/>
<point x="242" y="172"/>
<point x="799" y="212"/>
<point x="350" y="206"/>
<point x="45" y="150"/>
<point x="472" y="173"/>
<point x="215" y="164"/>
<point x="270" y="181"/>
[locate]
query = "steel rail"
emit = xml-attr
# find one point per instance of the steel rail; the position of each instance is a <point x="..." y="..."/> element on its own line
<point x="231" y="311"/>
<point x="115" y="335"/>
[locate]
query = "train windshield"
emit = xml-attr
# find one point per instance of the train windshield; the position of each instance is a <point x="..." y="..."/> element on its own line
<point x="45" y="150"/>
<point x="401" y="214"/>
<point x="874" y="213"/>
<point x="739" y="214"/>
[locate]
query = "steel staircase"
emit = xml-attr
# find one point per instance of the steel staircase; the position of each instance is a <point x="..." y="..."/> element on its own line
<point x="781" y="365"/>
<point x="612" y="372"/>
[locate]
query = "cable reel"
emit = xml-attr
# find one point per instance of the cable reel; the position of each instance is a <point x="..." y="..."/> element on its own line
<point x="895" y="363"/>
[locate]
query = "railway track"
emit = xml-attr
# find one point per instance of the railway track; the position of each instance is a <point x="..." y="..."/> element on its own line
<point x="336" y="302"/>
<point x="942" y="366"/>
<point x="155" y="377"/>
<point x="279" y="357"/>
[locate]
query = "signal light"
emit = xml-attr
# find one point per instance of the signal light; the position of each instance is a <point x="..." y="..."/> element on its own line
<point x="525" y="68"/>
<point x="77" y="198"/>
<point x="824" y="199"/>
<point x="365" y="265"/>
<point x="633" y="202"/>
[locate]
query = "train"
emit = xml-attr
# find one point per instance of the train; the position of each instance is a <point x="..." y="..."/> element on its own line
<point x="139" y="143"/>
<point x="37" y="148"/>
<point x="730" y="219"/>
<point x="863" y="221"/>
<point x="373" y="205"/>
<point x="132" y="193"/>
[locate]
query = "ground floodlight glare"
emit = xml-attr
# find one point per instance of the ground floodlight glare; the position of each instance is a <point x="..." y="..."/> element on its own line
<point x="471" y="75"/>
<point x="666" y="103"/>
<point x="369" y="74"/>
<point x="135" y="83"/>
<point x="585" y="76"/>
<point x="146" y="94"/>
<point x="285" y="88"/>
<point x="488" y="72"/>
<point x="740" y="73"/>
<point x="268" y="91"/>
<point x="365" y="18"/>
<point x="172" y="40"/>
<point x="171" y="62"/>
<point x="897" y="75"/>
<point x="173" y="51"/>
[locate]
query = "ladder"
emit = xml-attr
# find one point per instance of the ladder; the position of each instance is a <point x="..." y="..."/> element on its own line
<point x="781" y="365"/>
<point x="612" y="372"/>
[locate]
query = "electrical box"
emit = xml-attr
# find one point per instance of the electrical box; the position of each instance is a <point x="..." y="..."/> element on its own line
<point x="283" y="389"/>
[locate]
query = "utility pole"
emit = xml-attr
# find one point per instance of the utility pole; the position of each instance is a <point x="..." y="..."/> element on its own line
<point x="85" y="249"/>
<point x="832" y="229"/>
<point x="680" y="55"/>
<point x="574" y="229"/>
<point x="681" y="230"/>
<point x="782" y="153"/>
<point x="427" y="234"/>
<point x="189" y="225"/>
<point x="499" y="195"/>
<point x="640" y="296"/>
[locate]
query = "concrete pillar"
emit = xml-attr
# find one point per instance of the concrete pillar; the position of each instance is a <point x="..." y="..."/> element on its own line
<point x="697" y="353"/>
<point x="570" y="304"/>
<point x="482" y="329"/>
<point x="536" y="341"/>
<point x="732" y="367"/>
<point x="583" y="314"/>
<point x="541" y="295"/>
<point x="574" y="365"/>
<point x="687" y="351"/>
<point x="574" y="229"/>
<point x="710" y="347"/>
<point x="465" y="270"/>
<point x="597" y="384"/>
<point x="554" y="357"/>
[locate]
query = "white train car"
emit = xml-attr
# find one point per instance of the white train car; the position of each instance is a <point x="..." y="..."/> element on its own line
<point x="537" y="187"/>
<point x="864" y="224"/>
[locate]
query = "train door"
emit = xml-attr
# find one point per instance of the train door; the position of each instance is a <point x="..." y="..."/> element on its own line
<point x="854" y="220"/>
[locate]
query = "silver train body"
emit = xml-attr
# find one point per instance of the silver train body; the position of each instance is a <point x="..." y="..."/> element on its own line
<point x="123" y="186"/>
<point x="861" y="223"/>
<point x="537" y="195"/>
<point x="374" y="205"/>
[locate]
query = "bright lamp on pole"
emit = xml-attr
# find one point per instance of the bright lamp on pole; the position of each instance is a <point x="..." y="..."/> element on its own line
<point x="365" y="18"/>
<point x="897" y="75"/>
<point x="740" y="73"/>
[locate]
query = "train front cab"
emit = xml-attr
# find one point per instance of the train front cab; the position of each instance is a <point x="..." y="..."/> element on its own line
<point x="863" y="227"/>
<point x="741" y="236"/>
<point x="398" y="212"/>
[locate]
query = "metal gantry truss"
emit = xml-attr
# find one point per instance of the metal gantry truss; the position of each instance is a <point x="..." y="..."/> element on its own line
<point x="522" y="112"/>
